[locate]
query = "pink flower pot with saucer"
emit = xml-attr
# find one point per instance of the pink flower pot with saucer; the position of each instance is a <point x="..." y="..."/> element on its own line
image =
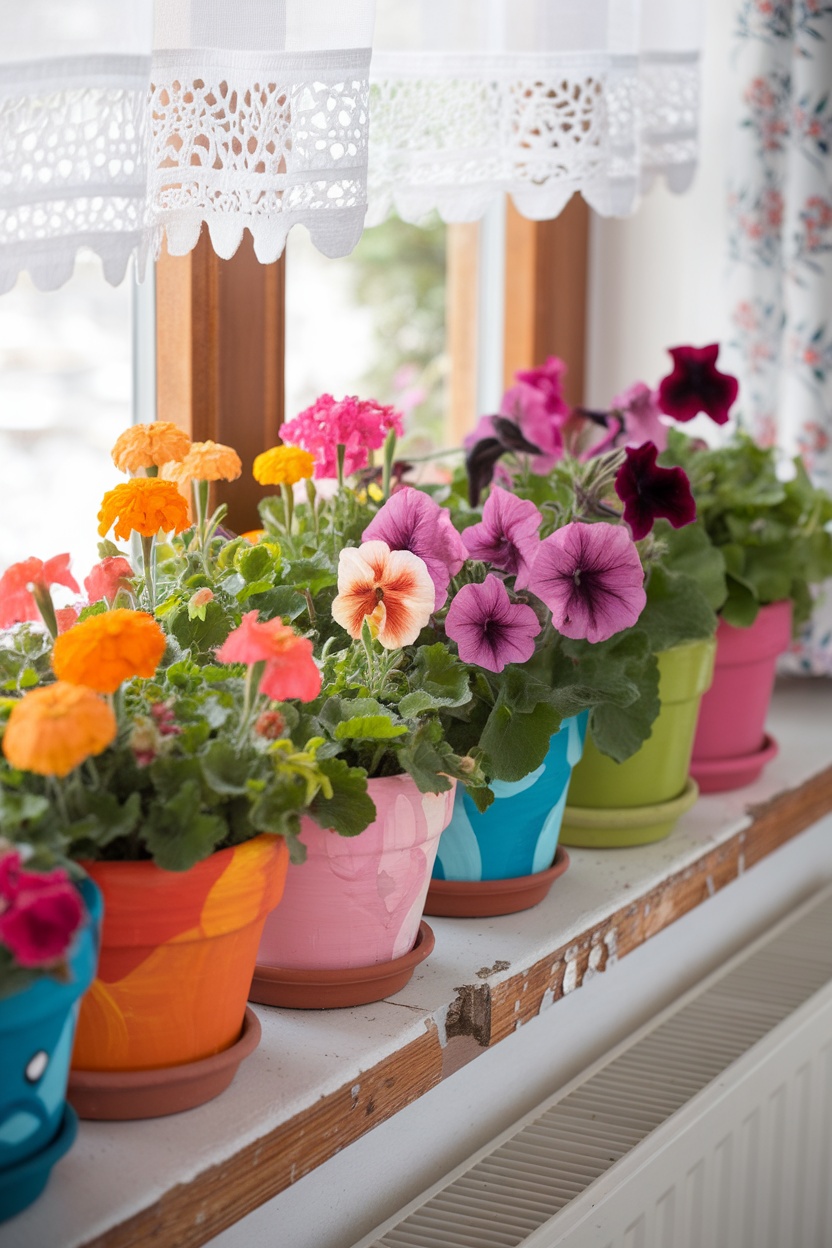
<point x="731" y="746"/>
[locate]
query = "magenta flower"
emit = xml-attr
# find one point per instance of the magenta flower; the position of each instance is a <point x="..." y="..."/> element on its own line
<point x="537" y="404"/>
<point x="696" y="385"/>
<point x="411" y="520"/>
<point x="508" y="535"/>
<point x="489" y="628"/>
<point x="39" y="913"/>
<point x="359" y="425"/>
<point x="642" y="415"/>
<point x="591" y="579"/>
<point x="648" y="491"/>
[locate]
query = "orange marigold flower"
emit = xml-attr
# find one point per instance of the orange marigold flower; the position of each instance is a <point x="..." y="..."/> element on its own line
<point x="283" y="465"/>
<point x="206" y="461"/>
<point x="52" y="730"/>
<point x="146" y="446"/>
<point x="106" y="649"/>
<point x="144" y="505"/>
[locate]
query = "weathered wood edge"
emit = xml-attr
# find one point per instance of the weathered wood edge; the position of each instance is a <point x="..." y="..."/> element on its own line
<point x="190" y="1214"/>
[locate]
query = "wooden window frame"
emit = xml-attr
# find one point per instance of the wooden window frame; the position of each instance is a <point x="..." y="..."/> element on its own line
<point x="220" y="334"/>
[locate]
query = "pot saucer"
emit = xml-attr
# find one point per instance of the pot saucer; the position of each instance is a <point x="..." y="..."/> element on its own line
<point x="598" y="827"/>
<point x="719" y="775"/>
<point x="482" y="899"/>
<point x="124" y="1094"/>
<point x="23" y="1182"/>
<point x="299" y="989"/>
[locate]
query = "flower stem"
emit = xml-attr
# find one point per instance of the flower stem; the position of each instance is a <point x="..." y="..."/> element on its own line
<point x="387" y="469"/>
<point x="46" y="607"/>
<point x="149" y="568"/>
<point x="60" y="798"/>
<point x="341" y="453"/>
<point x="288" y="505"/>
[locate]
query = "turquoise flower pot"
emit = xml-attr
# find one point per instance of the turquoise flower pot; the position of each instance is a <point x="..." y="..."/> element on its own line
<point x="37" y="1029"/>
<point x="518" y="834"/>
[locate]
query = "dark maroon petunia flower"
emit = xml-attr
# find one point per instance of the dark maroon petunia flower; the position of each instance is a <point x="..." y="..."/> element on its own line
<point x="696" y="385"/>
<point x="648" y="491"/>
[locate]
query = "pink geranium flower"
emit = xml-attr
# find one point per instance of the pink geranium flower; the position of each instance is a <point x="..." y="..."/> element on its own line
<point x="648" y="491"/>
<point x="642" y="416"/>
<point x="537" y="404"/>
<point x="290" y="672"/>
<point x="359" y="425"/>
<point x="508" y="535"/>
<point x="491" y="630"/>
<point x="17" y="600"/>
<point x="391" y="589"/>
<point x="39" y="913"/>
<point x="411" y="520"/>
<point x="591" y="579"/>
<point x="696" y="385"/>
<point x="108" y="577"/>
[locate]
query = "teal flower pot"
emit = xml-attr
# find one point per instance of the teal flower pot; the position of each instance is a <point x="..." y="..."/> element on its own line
<point x="37" y="1029"/>
<point x="516" y="838"/>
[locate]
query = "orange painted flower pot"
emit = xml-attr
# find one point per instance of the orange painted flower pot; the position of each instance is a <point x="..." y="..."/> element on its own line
<point x="177" y="955"/>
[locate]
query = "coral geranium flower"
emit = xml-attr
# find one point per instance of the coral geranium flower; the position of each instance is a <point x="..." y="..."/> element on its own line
<point x="411" y="520"/>
<point x="148" y="446"/>
<point x="17" y="602"/>
<point x="283" y="465"/>
<point x="696" y="385"/>
<point x="591" y="579"/>
<point x="55" y="728"/>
<point x="104" y="650"/>
<point x="648" y="491"/>
<point x="291" y="671"/>
<point x="206" y="461"/>
<point x="391" y="589"/>
<point x="108" y="577"/>
<point x="489" y="628"/>
<point x="145" y="506"/>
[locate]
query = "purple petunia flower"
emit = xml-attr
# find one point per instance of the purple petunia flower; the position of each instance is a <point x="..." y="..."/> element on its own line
<point x="507" y="536"/>
<point x="591" y="579"/>
<point x="642" y="415"/>
<point x="696" y="385"/>
<point x="536" y="402"/>
<point x="489" y="628"/>
<point x="648" y="491"/>
<point x="411" y="520"/>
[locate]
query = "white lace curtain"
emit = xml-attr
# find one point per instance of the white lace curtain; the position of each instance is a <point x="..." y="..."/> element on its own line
<point x="120" y="126"/>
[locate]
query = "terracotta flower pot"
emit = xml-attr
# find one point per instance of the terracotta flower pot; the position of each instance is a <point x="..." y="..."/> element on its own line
<point x="731" y="746"/>
<point x="37" y="1028"/>
<point x="177" y="954"/>
<point x="356" y="902"/>
<point x="653" y="785"/>
<point x="513" y="841"/>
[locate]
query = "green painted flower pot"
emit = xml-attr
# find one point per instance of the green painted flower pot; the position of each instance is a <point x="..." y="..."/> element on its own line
<point x="633" y="803"/>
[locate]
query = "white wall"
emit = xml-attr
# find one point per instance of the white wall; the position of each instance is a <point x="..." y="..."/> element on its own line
<point x="344" y="1199"/>
<point x="656" y="278"/>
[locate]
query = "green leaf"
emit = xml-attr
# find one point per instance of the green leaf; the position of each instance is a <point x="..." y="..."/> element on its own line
<point x="225" y="770"/>
<point x="255" y="563"/>
<point x="314" y="574"/>
<point x="621" y="730"/>
<point x="516" y="742"/>
<point x="202" y="637"/>
<point x="18" y="809"/>
<point x="283" y="601"/>
<point x="412" y="705"/>
<point x="741" y="607"/>
<point x="677" y="610"/>
<point x="107" y="819"/>
<point x="178" y="834"/>
<point x="350" y="809"/>
<point x="621" y="682"/>
<point x="440" y="675"/>
<point x="427" y="758"/>
<point x="691" y="552"/>
<point x="92" y="608"/>
<point x="369" y="728"/>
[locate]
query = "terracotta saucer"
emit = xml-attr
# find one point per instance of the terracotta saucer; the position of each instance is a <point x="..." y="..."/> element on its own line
<point x="330" y="990"/>
<point x="480" y="899"/>
<point x="719" y="775"/>
<point x="123" y="1094"/>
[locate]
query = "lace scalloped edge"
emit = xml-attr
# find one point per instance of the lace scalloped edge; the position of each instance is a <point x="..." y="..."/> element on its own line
<point x="51" y="263"/>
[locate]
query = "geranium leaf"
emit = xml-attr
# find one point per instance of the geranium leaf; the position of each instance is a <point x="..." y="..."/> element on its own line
<point x="440" y="674"/>
<point x="178" y="834"/>
<point x="350" y="809"/>
<point x="225" y="769"/>
<point x="516" y="742"/>
<point x="677" y="610"/>
<point x="369" y="728"/>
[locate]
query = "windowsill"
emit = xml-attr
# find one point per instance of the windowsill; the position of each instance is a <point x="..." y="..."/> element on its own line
<point x="321" y="1080"/>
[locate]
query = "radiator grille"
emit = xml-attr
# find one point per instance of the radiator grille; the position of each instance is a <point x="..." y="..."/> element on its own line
<point x="508" y="1192"/>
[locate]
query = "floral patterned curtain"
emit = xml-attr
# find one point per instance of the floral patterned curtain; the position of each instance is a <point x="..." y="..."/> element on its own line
<point x="780" y="244"/>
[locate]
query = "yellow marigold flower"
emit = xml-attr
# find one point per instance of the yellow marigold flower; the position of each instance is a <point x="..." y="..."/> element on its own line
<point x="206" y="461"/>
<point x="144" y="505"/>
<point x="283" y="465"/>
<point x="106" y="649"/>
<point x="146" y="446"/>
<point x="52" y="730"/>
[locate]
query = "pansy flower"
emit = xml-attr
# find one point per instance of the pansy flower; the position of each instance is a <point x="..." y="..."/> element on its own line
<point x="696" y="385"/>
<point x="391" y="589"/>
<point x="591" y="579"/>
<point x="507" y="536"/>
<point x="411" y="520"/>
<point x="489" y="629"/>
<point x="648" y="491"/>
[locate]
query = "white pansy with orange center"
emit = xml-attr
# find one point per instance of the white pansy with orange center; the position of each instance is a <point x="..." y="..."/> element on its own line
<point x="391" y="589"/>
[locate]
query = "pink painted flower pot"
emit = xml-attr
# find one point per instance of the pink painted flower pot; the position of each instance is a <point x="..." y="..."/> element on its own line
<point x="731" y="745"/>
<point x="357" y="901"/>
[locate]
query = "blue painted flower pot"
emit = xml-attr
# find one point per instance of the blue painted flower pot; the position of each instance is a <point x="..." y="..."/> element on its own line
<point x="37" y="1029"/>
<point x="518" y="834"/>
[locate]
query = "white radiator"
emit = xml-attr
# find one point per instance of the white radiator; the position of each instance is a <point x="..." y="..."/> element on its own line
<point x="711" y="1127"/>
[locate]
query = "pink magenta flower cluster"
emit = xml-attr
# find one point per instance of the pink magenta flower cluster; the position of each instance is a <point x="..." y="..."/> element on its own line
<point x="40" y="912"/>
<point x="359" y="425"/>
